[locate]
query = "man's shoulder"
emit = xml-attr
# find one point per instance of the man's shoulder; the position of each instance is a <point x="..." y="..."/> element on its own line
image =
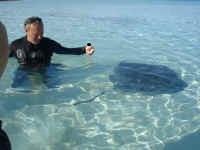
<point x="47" y="39"/>
<point x="50" y="42"/>
<point x="18" y="41"/>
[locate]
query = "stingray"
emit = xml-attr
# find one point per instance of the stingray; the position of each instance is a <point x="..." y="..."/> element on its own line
<point x="191" y="141"/>
<point x="147" y="78"/>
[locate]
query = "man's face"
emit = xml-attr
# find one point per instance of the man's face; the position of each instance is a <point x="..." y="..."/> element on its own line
<point x="34" y="32"/>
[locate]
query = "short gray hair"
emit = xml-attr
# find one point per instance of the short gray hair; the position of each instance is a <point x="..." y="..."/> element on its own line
<point x="33" y="19"/>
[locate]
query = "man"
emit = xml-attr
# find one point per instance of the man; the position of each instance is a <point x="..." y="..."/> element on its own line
<point x="4" y="140"/>
<point x="35" y="51"/>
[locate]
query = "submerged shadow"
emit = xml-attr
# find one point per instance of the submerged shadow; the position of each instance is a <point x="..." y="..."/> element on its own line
<point x="189" y="142"/>
<point x="52" y="76"/>
<point x="150" y="79"/>
<point x="30" y="78"/>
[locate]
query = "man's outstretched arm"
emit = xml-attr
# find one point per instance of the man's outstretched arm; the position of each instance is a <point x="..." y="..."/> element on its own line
<point x="59" y="49"/>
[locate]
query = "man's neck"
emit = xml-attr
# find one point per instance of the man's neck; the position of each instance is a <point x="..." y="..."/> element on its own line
<point x="31" y="41"/>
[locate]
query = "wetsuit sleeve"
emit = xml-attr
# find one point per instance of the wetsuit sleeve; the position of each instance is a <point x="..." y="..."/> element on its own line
<point x="59" y="49"/>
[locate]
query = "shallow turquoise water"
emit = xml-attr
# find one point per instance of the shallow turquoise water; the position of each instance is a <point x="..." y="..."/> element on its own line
<point x="37" y="116"/>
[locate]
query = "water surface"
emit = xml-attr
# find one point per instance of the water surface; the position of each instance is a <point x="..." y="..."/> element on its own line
<point x="159" y="35"/>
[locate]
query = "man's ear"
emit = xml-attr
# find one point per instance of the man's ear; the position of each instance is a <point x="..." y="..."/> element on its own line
<point x="26" y="28"/>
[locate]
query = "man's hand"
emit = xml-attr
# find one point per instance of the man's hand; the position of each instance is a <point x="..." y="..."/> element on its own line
<point x="89" y="49"/>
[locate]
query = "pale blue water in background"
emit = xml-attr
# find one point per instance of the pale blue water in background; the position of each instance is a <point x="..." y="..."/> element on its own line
<point x="165" y="33"/>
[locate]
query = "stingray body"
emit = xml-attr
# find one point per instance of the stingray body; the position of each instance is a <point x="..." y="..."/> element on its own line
<point x="146" y="78"/>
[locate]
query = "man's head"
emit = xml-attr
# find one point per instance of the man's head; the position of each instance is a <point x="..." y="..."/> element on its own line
<point x="3" y="48"/>
<point x="34" y="29"/>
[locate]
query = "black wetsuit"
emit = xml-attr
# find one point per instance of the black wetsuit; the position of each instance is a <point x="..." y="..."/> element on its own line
<point x="34" y="56"/>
